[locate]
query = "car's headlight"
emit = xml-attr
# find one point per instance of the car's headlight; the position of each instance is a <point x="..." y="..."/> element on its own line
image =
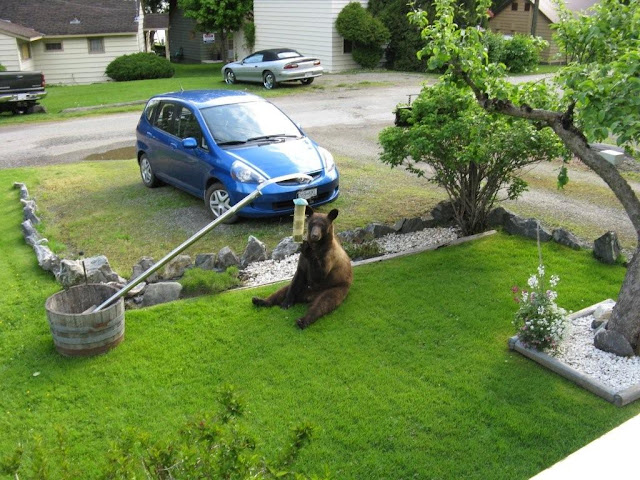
<point x="243" y="173"/>
<point x="327" y="158"/>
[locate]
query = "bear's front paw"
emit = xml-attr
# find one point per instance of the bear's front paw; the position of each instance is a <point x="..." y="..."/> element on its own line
<point x="260" y="302"/>
<point x="286" y="305"/>
<point x="301" y="323"/>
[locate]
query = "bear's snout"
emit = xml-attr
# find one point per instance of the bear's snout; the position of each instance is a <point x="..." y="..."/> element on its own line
<point x="315" y="234"/>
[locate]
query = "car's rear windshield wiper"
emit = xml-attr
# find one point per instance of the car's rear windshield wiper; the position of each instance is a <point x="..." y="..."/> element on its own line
<point x="271" y="137"/>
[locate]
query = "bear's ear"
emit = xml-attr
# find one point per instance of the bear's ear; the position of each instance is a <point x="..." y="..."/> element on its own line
<point x="333" y="214"/>
<point x="308" y="211"/>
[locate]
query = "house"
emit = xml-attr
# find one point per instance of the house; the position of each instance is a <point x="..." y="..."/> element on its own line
<point x="71" y="42"/>
<point x="307" y="26"/>
<point x="516" y="16"/>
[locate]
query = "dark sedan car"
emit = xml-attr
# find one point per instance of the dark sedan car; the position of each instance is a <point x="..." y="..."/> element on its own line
<point x="219" y="145"/>
<point x="270" y="67"/>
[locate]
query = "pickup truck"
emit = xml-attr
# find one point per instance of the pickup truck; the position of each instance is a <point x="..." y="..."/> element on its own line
<point x="20" y="91"/>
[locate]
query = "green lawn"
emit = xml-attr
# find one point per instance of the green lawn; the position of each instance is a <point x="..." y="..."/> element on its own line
<point x="410" y="378"/>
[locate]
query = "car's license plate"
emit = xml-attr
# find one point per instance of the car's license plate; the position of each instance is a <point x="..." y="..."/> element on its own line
<point x="308" y="74"/>
<point x="22" y="96"/>
<point x="308" y="194"/>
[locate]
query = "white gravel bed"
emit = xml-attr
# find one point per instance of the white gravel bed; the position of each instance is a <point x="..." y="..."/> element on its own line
<point x="259" y="273"/>
<point x="577" y="351"/>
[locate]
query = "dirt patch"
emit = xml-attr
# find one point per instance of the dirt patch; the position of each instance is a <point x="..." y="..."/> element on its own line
<point x="124" y="153"/>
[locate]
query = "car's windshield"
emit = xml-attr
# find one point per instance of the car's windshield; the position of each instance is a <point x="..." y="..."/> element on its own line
<point x="242" y="122"/>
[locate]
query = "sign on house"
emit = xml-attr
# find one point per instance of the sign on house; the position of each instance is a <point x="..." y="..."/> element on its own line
<point x="208" y="37"/>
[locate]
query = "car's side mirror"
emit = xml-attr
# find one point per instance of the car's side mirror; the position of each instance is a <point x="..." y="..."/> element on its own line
<point x="189" y="142"/>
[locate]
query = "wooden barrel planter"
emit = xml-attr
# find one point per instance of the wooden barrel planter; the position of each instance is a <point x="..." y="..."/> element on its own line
<point x="83" y="334"/>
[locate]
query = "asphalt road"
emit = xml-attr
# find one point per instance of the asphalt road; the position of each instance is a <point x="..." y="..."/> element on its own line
<point x="343" y="119"/>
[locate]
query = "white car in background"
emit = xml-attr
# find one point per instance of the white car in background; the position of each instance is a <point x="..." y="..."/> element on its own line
<point x="273" y="66"/>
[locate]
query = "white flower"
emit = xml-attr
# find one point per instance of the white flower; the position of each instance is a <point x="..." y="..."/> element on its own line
<point x="533" y="281"/>
<point x="553" y="281"/>
<point x="541" y="270"/>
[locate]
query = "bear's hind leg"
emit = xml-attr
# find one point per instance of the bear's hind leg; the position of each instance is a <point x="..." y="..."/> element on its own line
<point x="324" y="303"/>
<point x="275" y="298"/>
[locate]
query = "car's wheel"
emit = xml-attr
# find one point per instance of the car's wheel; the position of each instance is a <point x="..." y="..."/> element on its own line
<point x="268" y="80"/>
<point x="218" y="202"/>
<point x="146" y="172"/>
<point x="307" y="81"/>
<point x="229" y="77"/>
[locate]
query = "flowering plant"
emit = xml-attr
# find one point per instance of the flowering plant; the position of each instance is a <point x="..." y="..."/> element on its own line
<point x="539" y="322"/>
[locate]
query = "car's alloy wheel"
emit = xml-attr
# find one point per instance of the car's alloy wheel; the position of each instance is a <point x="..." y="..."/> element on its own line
<point x="218" y="201"/>
<point x="229" y="77"/>
<point x="268" y="80"/>
<point x="307" y="81"/>
<point x="146" y="172"/>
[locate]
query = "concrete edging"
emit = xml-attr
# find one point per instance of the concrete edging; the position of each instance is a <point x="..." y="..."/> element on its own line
<point x="618" y="398"/>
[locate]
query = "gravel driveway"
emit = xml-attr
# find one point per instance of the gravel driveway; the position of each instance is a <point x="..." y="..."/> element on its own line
<point x="345" y="116"/>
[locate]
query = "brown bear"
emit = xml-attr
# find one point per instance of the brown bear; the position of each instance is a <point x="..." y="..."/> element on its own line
<point x="323" y="276"/>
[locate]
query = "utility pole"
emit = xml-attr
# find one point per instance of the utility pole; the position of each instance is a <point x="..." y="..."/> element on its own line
<point x="534" y="20"/>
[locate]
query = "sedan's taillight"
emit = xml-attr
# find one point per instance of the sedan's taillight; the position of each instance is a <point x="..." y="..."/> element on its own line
<point x="289" y="66"/>
<point x="42" y="82"/>
<point x="316" y="63"/>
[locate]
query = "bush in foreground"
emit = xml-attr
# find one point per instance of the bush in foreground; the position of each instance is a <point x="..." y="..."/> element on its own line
<point x="139" y="66"/>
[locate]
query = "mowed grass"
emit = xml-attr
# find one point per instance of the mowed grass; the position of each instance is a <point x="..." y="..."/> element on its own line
<point x="102" y="208"/>
<point x="410" y="378"/>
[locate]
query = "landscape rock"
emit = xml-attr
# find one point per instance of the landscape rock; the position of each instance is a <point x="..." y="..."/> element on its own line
<point x="285" y="248"/>
<point x="206" y="261"/>
<point x="498" y="217"/>
<point x="607" y="248"/>
<point x="31" y="235"/>
<point x="98" y="270"/>
<point x="161" y="292"/>
<point x="29" y="211"/>
<point x="566" y="238"/>
<point x="47" y="260"/>
<point x="526" y="227"/>
<point x="256" y="251"/>
<point x="379" y="230"/>
<point x="227" y="258"/>
<point x="143" y="265"/>
<point x="357" y="236"/>
<point x="176" y="267"/>
<point x="134" y="292"/>
<point x="443" y="213"/>
<point x="70" y="273"/>
<point x="24" y="193"/>
<point x="612" y="342"/>
<point x="411" y="225"/>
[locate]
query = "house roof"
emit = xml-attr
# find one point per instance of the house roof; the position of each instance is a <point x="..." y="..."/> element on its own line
<point x="156" y="21"/>
<point x="548" y="9"/>
<point x="72" y="17"/>
<point x="19" y="31"/>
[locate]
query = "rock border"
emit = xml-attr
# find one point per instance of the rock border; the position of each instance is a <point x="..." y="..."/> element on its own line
<point x="619" y="398"/>
<point x="97" y="269"/>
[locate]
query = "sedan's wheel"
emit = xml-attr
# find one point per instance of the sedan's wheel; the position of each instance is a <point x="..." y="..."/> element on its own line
<point x="268" y="80"/>
<point x="146" y="172"/>
<point x="229" y="77"/>
<point x="218" y="201"/>
<point x="307" y="81"/>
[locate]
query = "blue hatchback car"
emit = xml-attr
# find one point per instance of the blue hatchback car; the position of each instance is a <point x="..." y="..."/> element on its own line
<point x="219" y="145"/>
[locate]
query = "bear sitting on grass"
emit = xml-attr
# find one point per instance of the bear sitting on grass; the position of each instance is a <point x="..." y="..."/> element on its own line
<point x="323" y="276"/>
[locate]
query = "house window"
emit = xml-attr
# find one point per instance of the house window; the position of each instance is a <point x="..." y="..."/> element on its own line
<point x="53" y="47"/>
<point x="527" y="6"/>
<point x="514" y="6"/>
<point x="96" y="45"/>
<point x="347" y="46"/>
<point x="25" y="51"/>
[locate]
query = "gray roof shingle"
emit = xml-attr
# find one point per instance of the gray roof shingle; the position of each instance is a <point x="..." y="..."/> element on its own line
<point x="72" y="17"/>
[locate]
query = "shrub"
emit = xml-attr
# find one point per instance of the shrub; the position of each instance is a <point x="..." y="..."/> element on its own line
<point x="2" y="68"/>
<point x="197" y="281"/>
<point x="360" y="251"/>
<point x="474" y="155"/>
<point x="368" y="34"/>
<point x="139" y="66"/>
<point x="521" y="53"/>
<point x="249" y="30"/>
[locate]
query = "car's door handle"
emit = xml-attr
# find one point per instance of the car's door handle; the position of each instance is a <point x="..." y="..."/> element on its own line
<point x="150" y="135"/>
<point x="174" y="145"/>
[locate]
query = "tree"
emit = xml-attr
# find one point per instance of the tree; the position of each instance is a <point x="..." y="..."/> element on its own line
<point x="219" y="16"/>
<point x="600" y="97"/>
<point x="474" y="154"/>
<point x="367" y="34"/>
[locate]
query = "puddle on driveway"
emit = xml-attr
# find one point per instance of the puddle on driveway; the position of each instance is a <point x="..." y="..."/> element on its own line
<point x="124" y="153"/>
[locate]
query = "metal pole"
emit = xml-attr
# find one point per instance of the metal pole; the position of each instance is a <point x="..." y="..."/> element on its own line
<point x="198" y="235"/>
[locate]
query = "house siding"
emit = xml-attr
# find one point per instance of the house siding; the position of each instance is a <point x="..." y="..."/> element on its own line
<point x="74" y="64"/>
<point x="184" y="35"/>
<point x="510" y="22"/>
<point x="307" y="26"/>
<point x="9" y="56"/>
